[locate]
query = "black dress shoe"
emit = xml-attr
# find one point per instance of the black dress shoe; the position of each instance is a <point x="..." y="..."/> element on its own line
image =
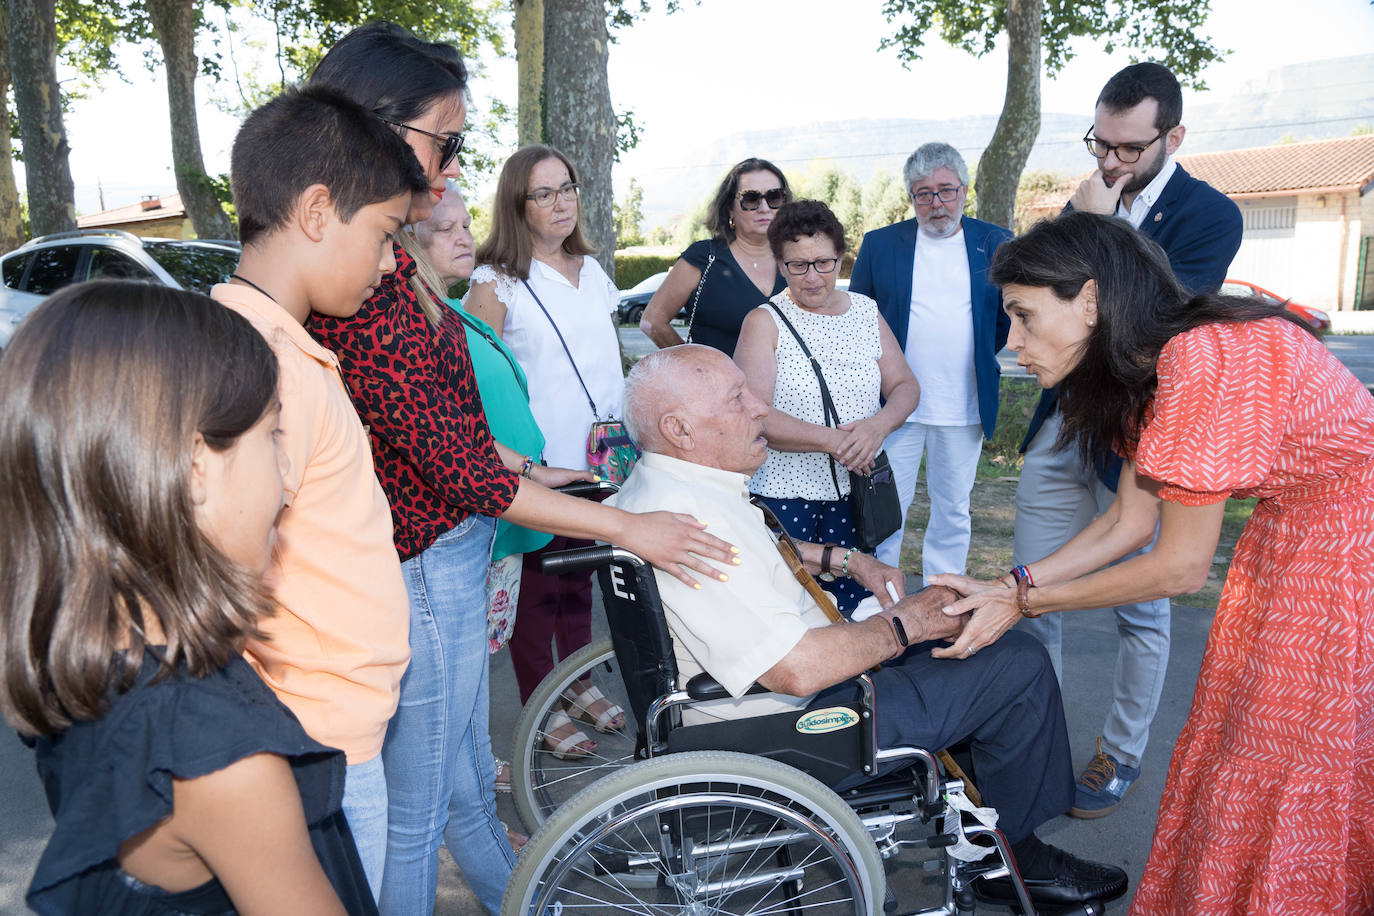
<point x="1067" y="881"/>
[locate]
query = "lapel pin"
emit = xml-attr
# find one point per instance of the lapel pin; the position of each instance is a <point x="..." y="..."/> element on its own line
<point x="1159" y="216"/>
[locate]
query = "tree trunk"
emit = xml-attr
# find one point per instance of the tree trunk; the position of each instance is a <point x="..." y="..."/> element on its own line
<point x="578" y="119"/>
<point x="529" y="56"/>
<point x="11" y="222"/>
<point x="47" y="173"/>
<point x="174" y="23"/>
<point x="999" y="170"/>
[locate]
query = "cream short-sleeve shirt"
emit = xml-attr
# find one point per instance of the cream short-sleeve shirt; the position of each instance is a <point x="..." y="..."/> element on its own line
<point x="734" y="630"/>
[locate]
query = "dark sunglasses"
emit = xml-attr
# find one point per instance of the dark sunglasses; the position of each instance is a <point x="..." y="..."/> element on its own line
<point x="450" y="145"/>
<point x="750" y="200"/>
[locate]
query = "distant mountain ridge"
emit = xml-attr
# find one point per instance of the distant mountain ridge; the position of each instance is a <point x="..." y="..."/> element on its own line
<point x="1313" y="100"/>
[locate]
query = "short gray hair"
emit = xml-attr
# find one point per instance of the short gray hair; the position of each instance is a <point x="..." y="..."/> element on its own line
<point x="647" y="379"/>
<point x="654" y="386"/>
<point x="931" y="156"/>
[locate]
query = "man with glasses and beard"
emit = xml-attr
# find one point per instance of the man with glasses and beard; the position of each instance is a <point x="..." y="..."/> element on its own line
<point x="930" y="278"/>
<point x="1136" y="131"/>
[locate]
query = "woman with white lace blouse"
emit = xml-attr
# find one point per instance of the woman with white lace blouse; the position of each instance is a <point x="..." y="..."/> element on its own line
<point x="538" y="285"/>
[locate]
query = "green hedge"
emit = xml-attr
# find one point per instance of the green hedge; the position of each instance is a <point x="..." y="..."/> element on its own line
<point x="631" y="268"/>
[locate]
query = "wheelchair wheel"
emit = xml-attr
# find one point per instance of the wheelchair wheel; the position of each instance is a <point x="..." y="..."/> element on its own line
<point x="715" y="832"/>
<point x="540" y="782"/>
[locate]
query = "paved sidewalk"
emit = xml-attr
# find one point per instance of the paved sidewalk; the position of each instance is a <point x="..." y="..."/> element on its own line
<point x="1089" y="655"/>
<point x="1090" y="643"/>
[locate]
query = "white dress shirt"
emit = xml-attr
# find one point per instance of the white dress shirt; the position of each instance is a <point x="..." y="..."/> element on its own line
<point x="582" y="313"/>
<point x="1135" y="214"/>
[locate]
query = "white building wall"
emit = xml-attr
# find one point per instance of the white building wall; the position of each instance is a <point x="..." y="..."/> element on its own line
<point x="1304" y="247"/>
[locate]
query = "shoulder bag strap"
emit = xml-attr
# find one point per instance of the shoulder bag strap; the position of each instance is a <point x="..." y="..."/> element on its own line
<point x="692" y="316"/>
<point x="470" y="322"/>
<point x="590" y="402"/>
<point x="827" y="405"/>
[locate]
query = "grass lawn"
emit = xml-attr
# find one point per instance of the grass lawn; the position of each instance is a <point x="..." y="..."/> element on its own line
<point x="993" y="502"/>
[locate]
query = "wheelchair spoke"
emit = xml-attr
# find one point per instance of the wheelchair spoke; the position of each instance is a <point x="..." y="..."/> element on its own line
<point x="666" y="836"/>
<point x="791" y="905"/>
<point x="739" y="871"/>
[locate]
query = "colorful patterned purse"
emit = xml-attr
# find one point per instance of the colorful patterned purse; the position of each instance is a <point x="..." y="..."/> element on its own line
<point x="611" y="453"/>
<point x="610" y="450"/>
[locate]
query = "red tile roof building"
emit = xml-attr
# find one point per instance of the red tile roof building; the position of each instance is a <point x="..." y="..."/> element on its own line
<point x="1309" y="216"/>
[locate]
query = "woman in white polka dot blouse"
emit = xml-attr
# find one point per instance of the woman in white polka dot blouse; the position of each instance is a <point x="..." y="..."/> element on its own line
<point x="804" y="480"/>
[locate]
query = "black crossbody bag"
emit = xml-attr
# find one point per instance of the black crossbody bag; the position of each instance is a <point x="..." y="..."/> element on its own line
<point x="873" y="502"/>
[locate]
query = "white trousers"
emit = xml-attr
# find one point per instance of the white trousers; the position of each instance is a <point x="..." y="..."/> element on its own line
<point x="951" y="457"/>
<point x="1058" y="495"/>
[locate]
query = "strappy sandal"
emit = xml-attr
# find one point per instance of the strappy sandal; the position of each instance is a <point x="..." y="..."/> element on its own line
<point x="580" y="705"/>
<point x="576" y="746"/>
<point x="516" y="839"/>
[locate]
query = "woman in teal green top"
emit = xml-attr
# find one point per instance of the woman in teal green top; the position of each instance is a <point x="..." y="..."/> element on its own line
<point x="447" y="241"/>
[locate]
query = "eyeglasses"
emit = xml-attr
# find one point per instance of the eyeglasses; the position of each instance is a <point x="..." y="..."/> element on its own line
<point x="947" y="195"/>
<point x="822" y="265"/>
<point x="450" y="145"/>
<point x="750" y="200"/>
<point x="1126" y="153"/>
<point x="543" y="197"/>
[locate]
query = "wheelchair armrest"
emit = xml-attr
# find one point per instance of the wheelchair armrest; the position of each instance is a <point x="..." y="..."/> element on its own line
<point x="561" y="562"/>
<point x="705" y="687"/>
<point x="589" y="489"/>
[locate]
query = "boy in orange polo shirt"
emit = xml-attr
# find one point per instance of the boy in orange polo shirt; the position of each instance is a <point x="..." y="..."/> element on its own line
<point x="321" y="186"/>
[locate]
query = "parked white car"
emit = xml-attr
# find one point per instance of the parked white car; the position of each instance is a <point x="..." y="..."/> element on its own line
<point x="44" y="265"/>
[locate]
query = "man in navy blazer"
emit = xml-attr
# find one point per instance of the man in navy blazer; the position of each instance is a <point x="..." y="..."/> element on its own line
<point x="1136" y="130"/>
<point x="929" y="276"/>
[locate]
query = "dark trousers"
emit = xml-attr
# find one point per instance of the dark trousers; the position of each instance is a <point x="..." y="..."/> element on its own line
<point x="551" y="609"/>
<point x="823" y="521"/>
<point x="1005" y="702"/>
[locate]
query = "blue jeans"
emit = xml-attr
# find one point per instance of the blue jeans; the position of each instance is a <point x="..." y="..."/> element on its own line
<point x="365" y="809"/>
<point x="439" y="771"/>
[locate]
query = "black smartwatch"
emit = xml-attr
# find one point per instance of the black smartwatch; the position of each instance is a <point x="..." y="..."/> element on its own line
<point x="900" y="630"/>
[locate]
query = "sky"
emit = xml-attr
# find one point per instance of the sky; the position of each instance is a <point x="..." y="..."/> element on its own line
<point x="722" y="66"/>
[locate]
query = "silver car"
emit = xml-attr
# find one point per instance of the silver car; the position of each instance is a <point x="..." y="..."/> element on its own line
<point x="44" y="265"/>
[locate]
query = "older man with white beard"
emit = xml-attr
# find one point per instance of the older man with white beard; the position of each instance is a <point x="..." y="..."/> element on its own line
<point x="930" y="278"/>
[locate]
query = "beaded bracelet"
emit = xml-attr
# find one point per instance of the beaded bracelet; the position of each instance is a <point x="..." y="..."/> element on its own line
<point x="527" y="469"/>
<point x="844" y="567"/>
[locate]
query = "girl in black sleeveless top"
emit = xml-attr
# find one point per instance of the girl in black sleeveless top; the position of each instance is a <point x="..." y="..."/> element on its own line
<point x="140" y="483"/>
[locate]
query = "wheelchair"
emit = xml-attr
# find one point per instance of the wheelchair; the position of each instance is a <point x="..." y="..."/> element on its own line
<point x="789" y="813"/>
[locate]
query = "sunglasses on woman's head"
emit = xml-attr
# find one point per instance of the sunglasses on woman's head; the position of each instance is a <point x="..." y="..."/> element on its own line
<point x="750" y="200"/>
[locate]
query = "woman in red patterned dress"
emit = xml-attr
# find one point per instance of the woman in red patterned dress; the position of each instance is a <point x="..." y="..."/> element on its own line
<point x="1269" y="803"/>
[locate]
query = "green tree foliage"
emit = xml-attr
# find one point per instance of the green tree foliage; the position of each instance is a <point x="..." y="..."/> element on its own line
<point x="299" y="33"/>
<point x="629" y="216"/>
<point x="632" y="268"/>
<point x="308" y="29"/>
<point x="1034" y="185"/>
<point x="885" y="201"/>
<point x="1167" y="31"/>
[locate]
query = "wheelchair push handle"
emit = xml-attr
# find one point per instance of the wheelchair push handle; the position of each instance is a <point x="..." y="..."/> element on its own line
<point x="589" y="489"/>
<point x="561" y="562"/>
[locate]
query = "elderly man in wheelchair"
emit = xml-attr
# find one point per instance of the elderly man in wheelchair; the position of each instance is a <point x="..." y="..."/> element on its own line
<point x="855" y="705"/>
